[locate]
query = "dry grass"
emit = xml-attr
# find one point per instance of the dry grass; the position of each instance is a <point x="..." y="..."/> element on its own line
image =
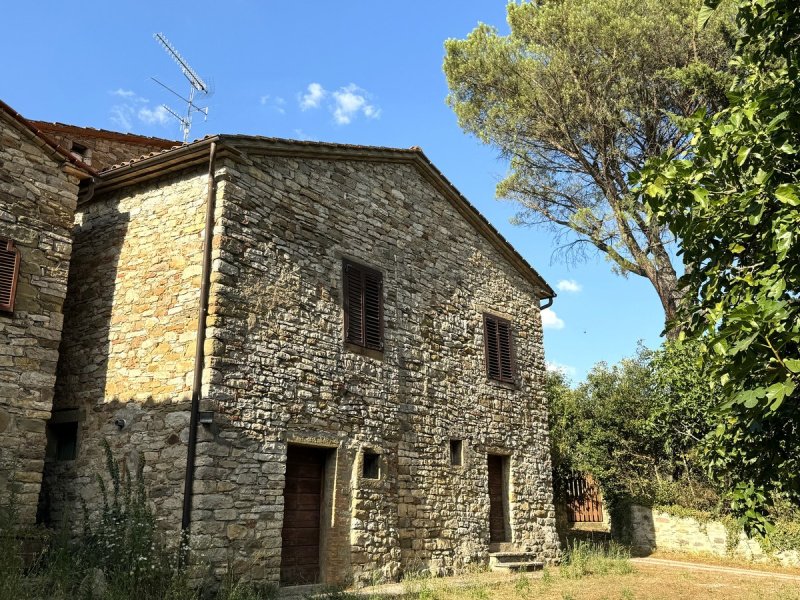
<point x="645" y="584"/>
<point x="707" y="558"/>
<point x="592" y="572"/>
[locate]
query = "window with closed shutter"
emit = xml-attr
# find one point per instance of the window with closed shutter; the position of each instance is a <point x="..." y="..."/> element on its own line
<point x="9" y="273"/>
<point x="363" y="306"/>
<point x="499" y="347"/>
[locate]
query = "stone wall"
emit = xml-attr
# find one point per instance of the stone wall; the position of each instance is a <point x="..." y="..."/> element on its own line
<point x="654" y="529"/>
<point x="282" y="374"/>
<point x="278" y="373"/>
<point x="37" y="204"/>
<point x="104" y="148"/>
<point x="129" y="340"/>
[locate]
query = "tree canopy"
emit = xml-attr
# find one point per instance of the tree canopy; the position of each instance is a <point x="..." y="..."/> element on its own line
<point x="579" y="95"/>
<point x="733" y="200"/>
<point x="638" y="426"/>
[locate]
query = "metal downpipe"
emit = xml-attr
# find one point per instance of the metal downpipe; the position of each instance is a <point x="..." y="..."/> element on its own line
<point x="199" y="356"/>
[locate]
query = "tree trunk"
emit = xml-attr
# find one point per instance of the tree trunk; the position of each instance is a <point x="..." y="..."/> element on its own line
<point x="665" y="282"/>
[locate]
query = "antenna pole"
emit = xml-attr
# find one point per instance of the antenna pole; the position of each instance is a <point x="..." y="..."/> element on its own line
<point x="196" y="84"/>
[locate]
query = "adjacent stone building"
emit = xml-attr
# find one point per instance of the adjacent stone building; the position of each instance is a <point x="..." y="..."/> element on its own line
<point x="101" y="148"/>
<point x="372" y="372"/>
<point x="38" y="193"/>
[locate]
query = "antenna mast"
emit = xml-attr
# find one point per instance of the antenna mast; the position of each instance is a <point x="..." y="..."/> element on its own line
<point x="197" y="85"/>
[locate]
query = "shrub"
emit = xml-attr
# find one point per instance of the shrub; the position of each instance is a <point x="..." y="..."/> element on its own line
<point x="120" y="554"/>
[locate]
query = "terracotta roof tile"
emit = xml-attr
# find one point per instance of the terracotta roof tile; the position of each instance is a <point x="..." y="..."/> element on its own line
<point x="30" y="125"/>
<point x="133" y="138"/>
<point x="137" y="159"/>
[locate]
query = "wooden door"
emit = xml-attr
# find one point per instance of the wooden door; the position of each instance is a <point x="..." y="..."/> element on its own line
<point x="497" y="500"/>
<point x="302" y="500"/>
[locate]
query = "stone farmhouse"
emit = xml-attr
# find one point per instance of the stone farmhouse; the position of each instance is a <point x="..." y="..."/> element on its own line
<point x="330" y="363"/>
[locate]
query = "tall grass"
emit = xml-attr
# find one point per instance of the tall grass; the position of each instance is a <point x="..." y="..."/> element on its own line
<point x="119" y="555"/>
<point x="585" y="558"/>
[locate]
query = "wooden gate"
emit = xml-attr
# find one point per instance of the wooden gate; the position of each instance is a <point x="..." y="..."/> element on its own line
<point x="584" y="504"/>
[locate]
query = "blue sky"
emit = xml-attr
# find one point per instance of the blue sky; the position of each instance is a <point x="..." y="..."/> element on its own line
<point x="355" y="72"/>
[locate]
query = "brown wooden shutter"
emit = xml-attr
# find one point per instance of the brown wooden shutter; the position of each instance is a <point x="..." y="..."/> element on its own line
<point x="9" y="273"/>
<point x="499" y="346"/>
<point x="492" y="353"/>
<point x="353" y="305"/>
<point x="373" y="310"/>
<point x="363" y="306"/>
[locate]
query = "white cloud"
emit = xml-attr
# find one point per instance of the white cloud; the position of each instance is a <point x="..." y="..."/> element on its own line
<point x="276" y="103"/>
<point x="372" y="112"/>
<point x="313" y="97"/>
<point x="567" y="370"/>
<point x="150" y="116"/>
<point x="132" y="107"/>
<point x="550" y="320"/>
<point x="122" y="116"/>
<point x="349" y="101"/>
<point x="345" y="104"/>
<point x="301" y="135"/>
<point x="569" y="285"/>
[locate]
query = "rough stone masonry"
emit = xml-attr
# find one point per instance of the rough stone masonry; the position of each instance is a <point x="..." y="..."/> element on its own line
<point x="37" y="204"/>
<point x="278" y="373"/>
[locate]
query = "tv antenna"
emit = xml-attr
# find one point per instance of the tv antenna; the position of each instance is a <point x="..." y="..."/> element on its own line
<point x="197" y="86"/>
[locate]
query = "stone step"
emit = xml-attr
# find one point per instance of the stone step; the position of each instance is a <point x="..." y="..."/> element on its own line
<point x="514" y="560"/>
<point x="525" y="565"/>
<point x="512" y="554"/>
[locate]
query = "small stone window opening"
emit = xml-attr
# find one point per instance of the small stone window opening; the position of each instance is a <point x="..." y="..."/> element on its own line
<point x="499" y="348"/>
<point x="64" y="440"/>
<point x="363" y="306"/>
<point x="9" y="274"/>
<point x="371" y="466"/>
<point x="457" y="453"/>
<point x="81" y="152"/>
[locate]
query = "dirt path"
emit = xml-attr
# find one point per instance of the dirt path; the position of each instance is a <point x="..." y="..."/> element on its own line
<point x="660" y="563"/>
<point x="711" y="581"/>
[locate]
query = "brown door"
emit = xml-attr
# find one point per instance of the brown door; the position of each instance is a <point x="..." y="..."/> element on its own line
<point x="302" y="498"/>
<point x="497" y="496"/>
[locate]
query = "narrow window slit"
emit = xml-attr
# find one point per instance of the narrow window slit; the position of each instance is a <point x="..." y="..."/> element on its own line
<point x="371" y="466"/>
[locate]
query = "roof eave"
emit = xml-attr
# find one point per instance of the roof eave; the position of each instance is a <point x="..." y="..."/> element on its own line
<point x="74" y="166"/>
<point x="168" y="161"/>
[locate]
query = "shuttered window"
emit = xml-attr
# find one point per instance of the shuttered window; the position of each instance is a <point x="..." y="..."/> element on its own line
<point x="363" y="306"/>
<point x="499" y="347"/>
<point x="9" y="273"/>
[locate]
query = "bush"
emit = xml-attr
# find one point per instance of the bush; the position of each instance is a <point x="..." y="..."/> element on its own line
<point x="120" y="554"/>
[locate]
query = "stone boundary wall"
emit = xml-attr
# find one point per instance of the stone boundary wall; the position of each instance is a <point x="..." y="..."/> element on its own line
<point x="653" y="529"/>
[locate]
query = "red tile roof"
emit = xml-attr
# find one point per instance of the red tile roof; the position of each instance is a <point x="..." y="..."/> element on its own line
<point x="130" y="138"/>
<point x="79" y="164"/>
